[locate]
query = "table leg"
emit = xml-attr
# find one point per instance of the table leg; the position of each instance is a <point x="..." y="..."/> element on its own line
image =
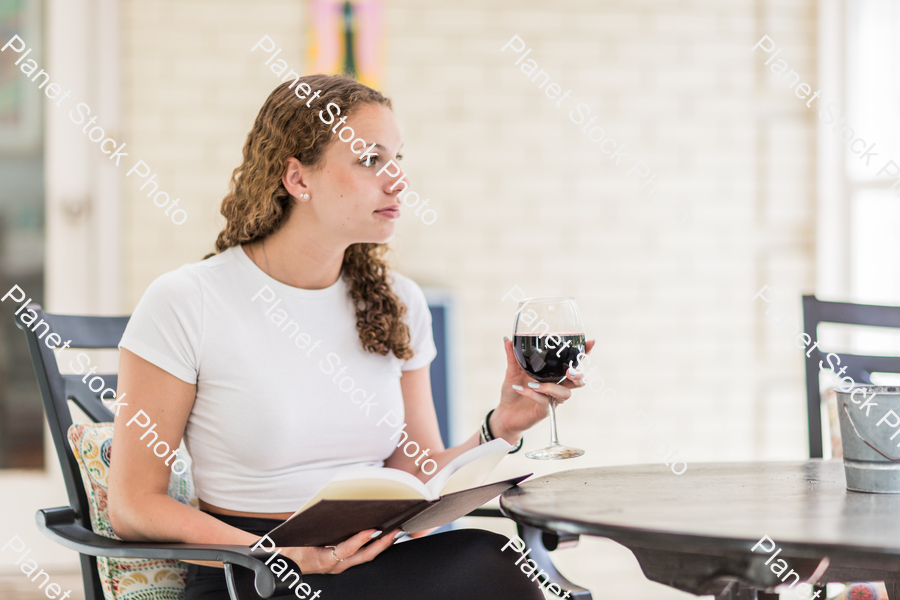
<point x="738" y="591"/>
<point x="534" y="539"/>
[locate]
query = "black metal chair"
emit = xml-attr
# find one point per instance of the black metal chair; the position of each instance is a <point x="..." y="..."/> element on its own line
<point x="859" y="366"/>
<point x="70" y="525"/>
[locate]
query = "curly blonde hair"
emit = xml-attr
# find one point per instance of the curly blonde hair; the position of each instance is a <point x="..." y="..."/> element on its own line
<point x="257" y="203"/>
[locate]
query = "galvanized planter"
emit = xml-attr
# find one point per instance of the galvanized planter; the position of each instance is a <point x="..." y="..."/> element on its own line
<point x="871" y="457"/>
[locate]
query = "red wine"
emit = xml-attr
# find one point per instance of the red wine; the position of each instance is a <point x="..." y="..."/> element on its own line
<point x="546" y="357"/>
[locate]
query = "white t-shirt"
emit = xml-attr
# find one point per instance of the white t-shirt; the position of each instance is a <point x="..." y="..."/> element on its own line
<point x="274" y="418"/>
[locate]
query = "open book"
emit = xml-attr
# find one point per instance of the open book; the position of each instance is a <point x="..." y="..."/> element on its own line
<point x="366" y="498"/>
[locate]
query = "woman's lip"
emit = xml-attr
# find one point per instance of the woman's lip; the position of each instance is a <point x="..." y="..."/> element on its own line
<point x="390" y="213"/>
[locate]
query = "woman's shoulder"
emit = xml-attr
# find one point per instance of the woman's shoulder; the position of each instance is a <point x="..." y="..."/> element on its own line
<point x="418" y="318"/>
<point x="409" y="292"/>
<point x="184" y="283"/>
<point x="166" y="327"/>
<point x="407" y="289"/>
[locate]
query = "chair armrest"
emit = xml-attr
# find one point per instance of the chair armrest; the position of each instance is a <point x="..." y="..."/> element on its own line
<point x="61" y="525"/>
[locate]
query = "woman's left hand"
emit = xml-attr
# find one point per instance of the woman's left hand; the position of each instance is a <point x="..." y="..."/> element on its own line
<point x="525" y="402"/>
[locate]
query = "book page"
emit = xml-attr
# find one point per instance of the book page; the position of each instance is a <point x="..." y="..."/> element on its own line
<point x="469" y="469"/>
<point x="370" y="484"/>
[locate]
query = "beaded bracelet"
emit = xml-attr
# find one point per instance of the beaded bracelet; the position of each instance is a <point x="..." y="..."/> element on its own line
<point x="487" y="436"/>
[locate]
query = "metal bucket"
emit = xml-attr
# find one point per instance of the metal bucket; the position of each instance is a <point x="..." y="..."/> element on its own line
<point x="871" y="457"/>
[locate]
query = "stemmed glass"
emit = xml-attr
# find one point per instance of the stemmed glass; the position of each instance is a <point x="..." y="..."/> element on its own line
<point x="547" y="336"/>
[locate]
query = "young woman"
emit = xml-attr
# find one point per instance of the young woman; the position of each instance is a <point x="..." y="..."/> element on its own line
<point x="232" y="354"/>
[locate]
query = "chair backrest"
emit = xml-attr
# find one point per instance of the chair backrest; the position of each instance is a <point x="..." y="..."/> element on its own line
<point x="441" y="308"/>
<point x="56" y="389"/>
<point x="859" y="367"/>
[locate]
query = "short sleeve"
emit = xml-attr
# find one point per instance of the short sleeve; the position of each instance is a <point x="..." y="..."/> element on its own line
<point x="418" y="319"/>
<point x="166" y="326"/>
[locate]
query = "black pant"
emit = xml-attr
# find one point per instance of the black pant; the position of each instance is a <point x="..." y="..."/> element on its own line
<point x="455" y="565"/>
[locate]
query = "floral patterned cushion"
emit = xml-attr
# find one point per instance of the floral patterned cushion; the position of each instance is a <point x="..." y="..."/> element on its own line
<point x="863" y="591"/>
<point x="126" y="579"/>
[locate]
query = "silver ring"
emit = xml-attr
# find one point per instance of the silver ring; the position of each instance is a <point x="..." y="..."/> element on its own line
<point x="333" y="555"/>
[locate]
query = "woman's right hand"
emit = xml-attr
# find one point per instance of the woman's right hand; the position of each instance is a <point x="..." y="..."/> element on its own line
<point x="321" y="560"/>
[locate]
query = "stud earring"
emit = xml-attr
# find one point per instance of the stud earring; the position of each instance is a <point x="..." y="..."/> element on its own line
<point x="305" y="196"/>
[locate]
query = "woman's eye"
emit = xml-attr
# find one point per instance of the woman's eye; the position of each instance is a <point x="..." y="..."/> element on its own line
<point x="369" y="161"/>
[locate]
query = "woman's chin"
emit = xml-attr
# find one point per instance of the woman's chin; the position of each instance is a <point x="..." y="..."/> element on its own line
<point x="384" y="233"/>
<point x="386" y="239"/>
<point x="381" y="236"/>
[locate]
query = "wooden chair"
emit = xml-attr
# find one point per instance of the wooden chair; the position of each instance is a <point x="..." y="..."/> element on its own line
<point x="70" y="525"/>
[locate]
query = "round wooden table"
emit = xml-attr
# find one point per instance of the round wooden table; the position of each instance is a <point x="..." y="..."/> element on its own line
<point x="695" y="531"/>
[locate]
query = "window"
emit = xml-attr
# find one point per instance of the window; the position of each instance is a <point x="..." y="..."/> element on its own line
<point x="21" y="238"/>
<point x="873" y="102"/>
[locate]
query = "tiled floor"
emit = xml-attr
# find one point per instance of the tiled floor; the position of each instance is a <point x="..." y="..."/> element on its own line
<point x="19" y="587"/>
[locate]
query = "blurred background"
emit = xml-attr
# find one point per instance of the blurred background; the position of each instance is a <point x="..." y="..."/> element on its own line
<point x="524" y="198"/>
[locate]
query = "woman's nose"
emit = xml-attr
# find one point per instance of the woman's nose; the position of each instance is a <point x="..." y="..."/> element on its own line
<point x="399" y="185"/>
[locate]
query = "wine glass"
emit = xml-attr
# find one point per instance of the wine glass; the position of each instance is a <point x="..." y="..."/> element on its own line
<point x="547" y="336"/>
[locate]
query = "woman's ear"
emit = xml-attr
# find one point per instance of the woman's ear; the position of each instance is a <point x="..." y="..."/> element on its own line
<point x="294" y="180"/>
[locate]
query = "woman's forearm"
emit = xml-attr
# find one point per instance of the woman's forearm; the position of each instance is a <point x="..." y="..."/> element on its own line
<point x="160" y="518"/>
<point x="443" y="457"/>
<point x="420" y="429"/>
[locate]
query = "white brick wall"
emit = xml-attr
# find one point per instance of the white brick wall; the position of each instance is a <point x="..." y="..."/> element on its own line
<point x="524" y="198"/>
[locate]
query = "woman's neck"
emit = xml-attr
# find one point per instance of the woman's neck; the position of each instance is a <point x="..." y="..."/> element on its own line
<point x="297" y="259"/>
